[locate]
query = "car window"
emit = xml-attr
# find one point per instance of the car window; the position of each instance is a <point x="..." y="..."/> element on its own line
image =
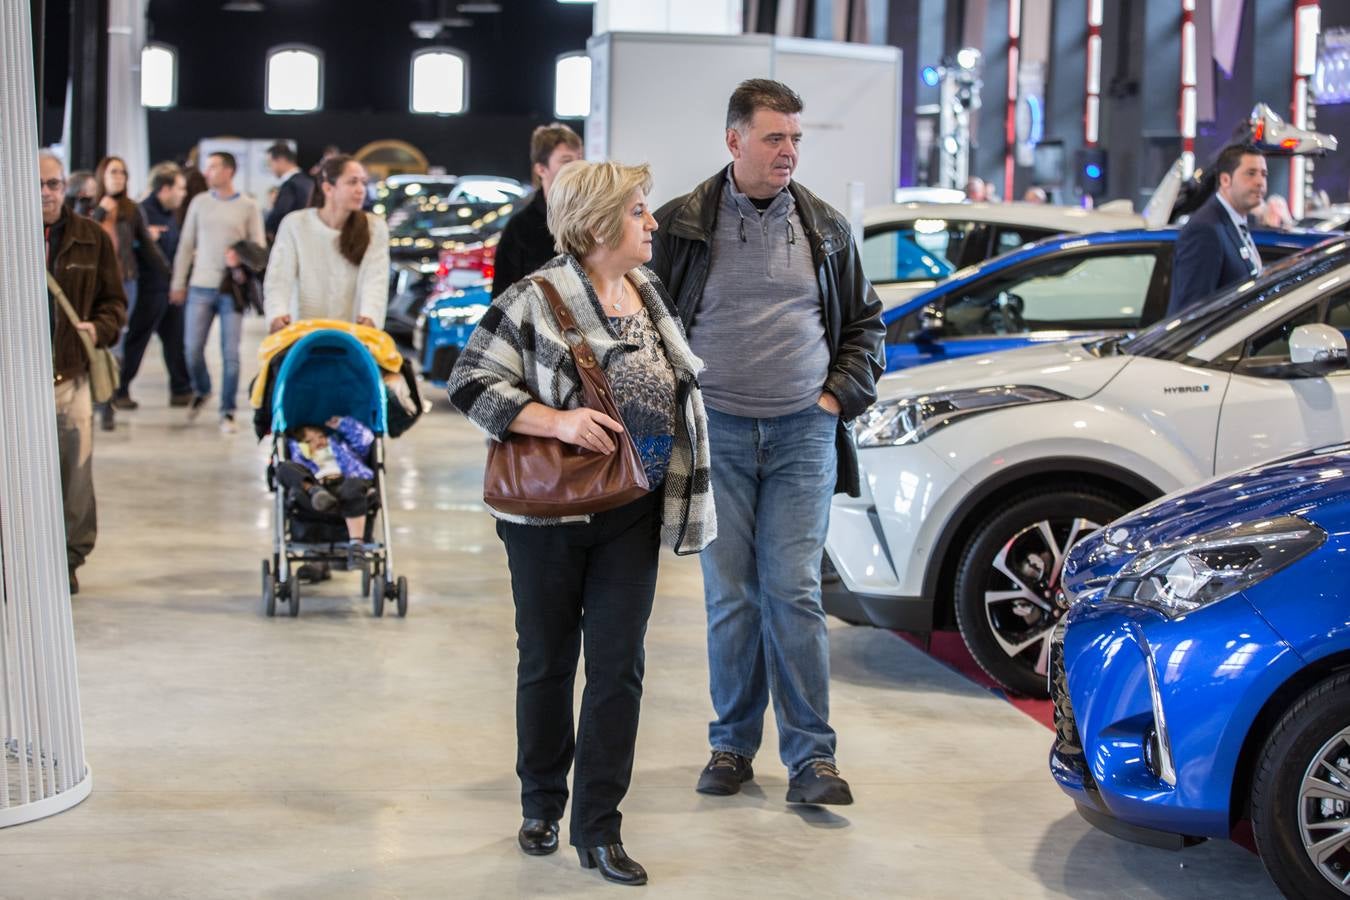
<point x="1272" y="345"/>
<point x="1011" y="237"/>
<point x="920" y="250"/>
<point x="1064" y="292"/>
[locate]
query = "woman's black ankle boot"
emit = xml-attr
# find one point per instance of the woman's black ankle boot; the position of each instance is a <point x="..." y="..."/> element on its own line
<point x="538" y="837"/>
<point x="613" y="863"/>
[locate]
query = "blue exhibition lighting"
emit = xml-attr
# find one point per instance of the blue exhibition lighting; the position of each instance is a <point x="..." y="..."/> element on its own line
<point x="1092" y="170"/>
<point x="930" y="75"/>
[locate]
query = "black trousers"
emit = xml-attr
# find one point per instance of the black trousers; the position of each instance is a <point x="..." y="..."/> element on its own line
<point x="350" y="492"/>
<point x="154" y="314"/>
<point x="589" y="582"/>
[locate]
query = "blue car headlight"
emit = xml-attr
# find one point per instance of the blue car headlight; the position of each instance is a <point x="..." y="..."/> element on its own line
<point x="1184" y="575"/>
<point x="908" y="420"/>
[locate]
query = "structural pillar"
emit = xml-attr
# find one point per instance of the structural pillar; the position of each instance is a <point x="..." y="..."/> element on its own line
<point x="41" y="738"/>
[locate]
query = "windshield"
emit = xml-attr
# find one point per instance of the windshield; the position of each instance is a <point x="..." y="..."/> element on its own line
<point x="1173" y="338"/>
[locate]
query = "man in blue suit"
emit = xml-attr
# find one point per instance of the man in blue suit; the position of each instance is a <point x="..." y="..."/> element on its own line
<point x="1215" y="249"/>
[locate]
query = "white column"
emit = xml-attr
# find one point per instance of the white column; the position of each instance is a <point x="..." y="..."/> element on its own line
<point x="128" y="135"/>
<point x="41" y="740"/>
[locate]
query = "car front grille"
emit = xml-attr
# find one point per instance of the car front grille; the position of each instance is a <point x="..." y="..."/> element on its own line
<point x="1068" y="744"/>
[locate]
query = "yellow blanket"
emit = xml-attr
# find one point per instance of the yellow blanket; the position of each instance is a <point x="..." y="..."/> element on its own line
<point x="376" y="340"/>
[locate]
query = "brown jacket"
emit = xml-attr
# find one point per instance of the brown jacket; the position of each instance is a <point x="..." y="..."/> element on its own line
<point x="85" y="265"/>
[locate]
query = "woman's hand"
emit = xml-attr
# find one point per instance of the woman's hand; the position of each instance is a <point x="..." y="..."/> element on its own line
<point x="278" y="323"/>
<point x="367" y="321"/>
<point x="586" y="428"/>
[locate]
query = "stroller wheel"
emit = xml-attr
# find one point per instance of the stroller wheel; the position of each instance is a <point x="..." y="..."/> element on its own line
<point x="269" y="590"/>
<point x="294" y="599"/>
<point x="402" y="596"/>
<point x="377" y="588"/>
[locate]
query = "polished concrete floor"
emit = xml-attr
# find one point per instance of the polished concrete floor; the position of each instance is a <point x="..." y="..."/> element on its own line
<point x="337" y="755"/>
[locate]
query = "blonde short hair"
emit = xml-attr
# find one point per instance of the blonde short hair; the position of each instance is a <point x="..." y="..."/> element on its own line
<point x="587" y="202"/>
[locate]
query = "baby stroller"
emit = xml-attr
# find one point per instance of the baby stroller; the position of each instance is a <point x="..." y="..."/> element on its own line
<point x="324" y="374"/>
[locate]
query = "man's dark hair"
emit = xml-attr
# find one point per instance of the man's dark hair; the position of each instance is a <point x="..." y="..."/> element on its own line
<point x="164" y="175"/>
<point x="1230" y="158"/>
<point x="760" y="93"/>
<point x="281" y="150"/>
<point x="226" y="159"/>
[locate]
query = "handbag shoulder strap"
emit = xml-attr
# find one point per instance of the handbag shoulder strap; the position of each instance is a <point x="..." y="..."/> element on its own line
<point x="581" y="350"/>
<point x="55" y="287"/>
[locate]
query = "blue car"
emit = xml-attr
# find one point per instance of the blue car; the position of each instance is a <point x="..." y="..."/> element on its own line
<point x="1062" y="288"/>
<point x="1201" y="675"/>
<point x="443" y="329"/>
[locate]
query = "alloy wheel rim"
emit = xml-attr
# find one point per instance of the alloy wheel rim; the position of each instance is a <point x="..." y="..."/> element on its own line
<point x="1020" y="606"/>
<point x="1324" y="811"/>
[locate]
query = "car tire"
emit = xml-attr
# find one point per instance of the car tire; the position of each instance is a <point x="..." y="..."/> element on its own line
<point x="1006" y="622"/>
<point x="1314" y="730"/>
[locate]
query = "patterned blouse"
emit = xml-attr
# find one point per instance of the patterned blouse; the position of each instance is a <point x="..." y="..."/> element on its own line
<point x="644" y="388"/>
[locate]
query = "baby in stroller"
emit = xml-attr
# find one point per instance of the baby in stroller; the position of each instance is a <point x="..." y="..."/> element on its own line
<point x="327" y="473"/>
<point x="324" y="401"/>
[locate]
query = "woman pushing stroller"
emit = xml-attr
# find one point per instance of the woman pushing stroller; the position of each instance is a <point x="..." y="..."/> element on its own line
<point x="327" y="473"/>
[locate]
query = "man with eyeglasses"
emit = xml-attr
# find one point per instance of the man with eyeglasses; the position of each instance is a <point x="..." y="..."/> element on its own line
<point x="80" y="256"/>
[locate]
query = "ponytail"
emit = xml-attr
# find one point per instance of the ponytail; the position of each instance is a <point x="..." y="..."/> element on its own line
<point x="355" y="235"/>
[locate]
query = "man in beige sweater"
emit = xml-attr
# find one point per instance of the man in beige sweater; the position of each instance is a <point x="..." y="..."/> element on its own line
<point x="216" y="221"/>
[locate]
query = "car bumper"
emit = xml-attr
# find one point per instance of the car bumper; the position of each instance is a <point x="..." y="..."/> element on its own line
<point x="1151" y="713"/>
<point x="880" y="542"/>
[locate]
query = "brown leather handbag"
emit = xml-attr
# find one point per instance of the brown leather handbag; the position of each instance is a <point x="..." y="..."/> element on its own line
<point x="544" y="477"/>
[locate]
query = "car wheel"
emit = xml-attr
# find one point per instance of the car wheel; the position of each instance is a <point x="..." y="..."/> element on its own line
<point x="1301" y="794"/>
<point x="1008" y="577"/>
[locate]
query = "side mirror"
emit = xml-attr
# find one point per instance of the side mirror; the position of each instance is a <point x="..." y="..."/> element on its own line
<point x="1318" y="345"/>
<point x="931" y="325"/>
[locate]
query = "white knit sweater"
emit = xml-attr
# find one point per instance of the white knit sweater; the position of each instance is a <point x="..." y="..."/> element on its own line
<point x="308" y="278"/>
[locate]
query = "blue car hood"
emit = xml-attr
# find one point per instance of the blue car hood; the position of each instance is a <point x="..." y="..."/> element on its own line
<point x="1314" y="485"/>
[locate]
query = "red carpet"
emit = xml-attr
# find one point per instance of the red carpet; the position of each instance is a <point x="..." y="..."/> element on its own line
<point x="948" y="648"/>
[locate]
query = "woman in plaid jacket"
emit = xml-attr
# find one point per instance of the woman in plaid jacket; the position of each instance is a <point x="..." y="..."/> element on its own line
<point x="590" y="578"/>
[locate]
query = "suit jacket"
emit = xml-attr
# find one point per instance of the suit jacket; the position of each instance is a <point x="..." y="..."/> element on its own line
<point x="293" y="194"/>
<point x="1209" y="256"/>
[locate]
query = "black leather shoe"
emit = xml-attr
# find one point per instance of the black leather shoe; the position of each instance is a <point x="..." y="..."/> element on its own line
<point x="613" y="863"/>
<point x="538" y="837"/>
<point x="819" y="784"/>
<point x="724" y="774"/>
<point x="107" y="417"/>
<point x="124" y="401"/>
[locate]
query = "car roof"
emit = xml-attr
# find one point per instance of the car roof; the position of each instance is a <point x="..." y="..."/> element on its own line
<point x="1034" y="215"/>
<point x="1294" y="240"/>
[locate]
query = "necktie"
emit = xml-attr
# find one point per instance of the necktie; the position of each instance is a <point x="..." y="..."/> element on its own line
<point x="1253" y="257"/>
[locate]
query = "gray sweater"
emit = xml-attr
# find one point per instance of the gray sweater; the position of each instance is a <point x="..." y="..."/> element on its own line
<point x="213" y="226"/>
<point x="759" y="329"/>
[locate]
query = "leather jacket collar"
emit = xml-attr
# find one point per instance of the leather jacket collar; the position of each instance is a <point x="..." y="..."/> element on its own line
<point x="696" y="219"/>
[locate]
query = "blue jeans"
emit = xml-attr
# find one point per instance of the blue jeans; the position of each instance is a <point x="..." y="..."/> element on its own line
<point x="203" y="306"/>
<point x="772" y="483"/>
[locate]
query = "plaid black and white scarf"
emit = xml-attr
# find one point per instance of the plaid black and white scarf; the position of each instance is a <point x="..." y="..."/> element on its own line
<point x="517" y="354"/>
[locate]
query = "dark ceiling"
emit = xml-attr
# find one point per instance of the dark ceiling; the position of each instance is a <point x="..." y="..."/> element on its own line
<point x="367" y="47"/>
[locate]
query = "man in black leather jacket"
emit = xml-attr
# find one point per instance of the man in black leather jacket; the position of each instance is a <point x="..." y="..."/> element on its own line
<point x="767" y="280"/>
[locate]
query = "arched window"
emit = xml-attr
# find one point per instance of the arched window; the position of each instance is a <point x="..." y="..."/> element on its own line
<point x="572" y="86"/>
<point x="294" y="79"/>
<point x="440" y="82"/>
<point x="159" y="76"/>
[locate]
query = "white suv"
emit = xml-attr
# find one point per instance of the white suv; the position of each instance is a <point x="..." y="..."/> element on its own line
<point x="980" y="473"/>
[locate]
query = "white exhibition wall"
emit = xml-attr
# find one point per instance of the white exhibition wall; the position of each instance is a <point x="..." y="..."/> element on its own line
<point x="662" y="98"/>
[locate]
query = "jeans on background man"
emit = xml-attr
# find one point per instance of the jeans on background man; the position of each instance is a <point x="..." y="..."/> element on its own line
<point x="204" y="306"/>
